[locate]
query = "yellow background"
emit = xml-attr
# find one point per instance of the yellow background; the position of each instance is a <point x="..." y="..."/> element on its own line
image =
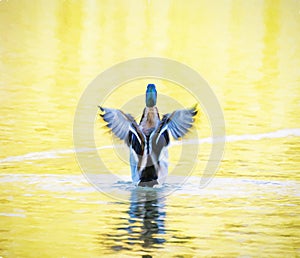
<point x="249" y="52"/>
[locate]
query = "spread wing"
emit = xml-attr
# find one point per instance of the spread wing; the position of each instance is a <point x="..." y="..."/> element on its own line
<point x="179" y="122"/>
<point x="117" y="121"/>
<point x="124" y="127"/>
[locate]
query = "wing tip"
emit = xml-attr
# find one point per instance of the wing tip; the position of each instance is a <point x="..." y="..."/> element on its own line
<point x="101" y="108"/>
<point x="194" y="110"/>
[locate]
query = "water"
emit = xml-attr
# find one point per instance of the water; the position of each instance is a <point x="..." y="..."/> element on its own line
<point x="230" y="212"/>
<point x="250" y="54"/>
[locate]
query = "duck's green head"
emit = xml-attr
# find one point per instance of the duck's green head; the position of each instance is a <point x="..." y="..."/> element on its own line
<point x="151" y="95"/>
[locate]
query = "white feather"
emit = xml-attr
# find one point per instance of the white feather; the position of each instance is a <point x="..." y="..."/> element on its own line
<point x="135" y="133"/>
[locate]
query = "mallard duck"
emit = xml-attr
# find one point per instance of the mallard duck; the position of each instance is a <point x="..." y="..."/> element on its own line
<point x="148" y="141"/>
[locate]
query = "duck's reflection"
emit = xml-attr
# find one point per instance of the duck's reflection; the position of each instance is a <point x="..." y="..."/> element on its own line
<point x="143" y="226"/>
<point x="149" y="210"/>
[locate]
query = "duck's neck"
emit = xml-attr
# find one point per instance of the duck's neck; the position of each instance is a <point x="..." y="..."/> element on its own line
<point x="150" y="119"/>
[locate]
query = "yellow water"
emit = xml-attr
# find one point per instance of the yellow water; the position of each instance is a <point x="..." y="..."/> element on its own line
<point x="249" y="52"/>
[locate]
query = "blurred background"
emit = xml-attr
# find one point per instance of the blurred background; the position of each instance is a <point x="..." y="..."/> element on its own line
<point x="248" y="51"/>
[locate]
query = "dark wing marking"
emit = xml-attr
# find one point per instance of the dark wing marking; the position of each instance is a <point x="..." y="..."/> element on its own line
<point x="143" y="115"/>
<point x="136" y="139"/>
<point x="158" y="140"/>
<point x="159" y="143"/>
<point x="179" y="122"/>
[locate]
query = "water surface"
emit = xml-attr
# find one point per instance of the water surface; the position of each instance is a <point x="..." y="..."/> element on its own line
<point x="249" y="52"/>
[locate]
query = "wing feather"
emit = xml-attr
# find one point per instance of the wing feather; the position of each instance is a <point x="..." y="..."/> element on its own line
<point x="125" y="128"/>
<point x="117" y="121"/>
<point x="180" y="121"/>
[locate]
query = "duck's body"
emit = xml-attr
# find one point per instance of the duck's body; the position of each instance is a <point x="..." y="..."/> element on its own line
<point x="150" y="120"/>
<point x="153" y="161"/>
<point x="149" y="140"/>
